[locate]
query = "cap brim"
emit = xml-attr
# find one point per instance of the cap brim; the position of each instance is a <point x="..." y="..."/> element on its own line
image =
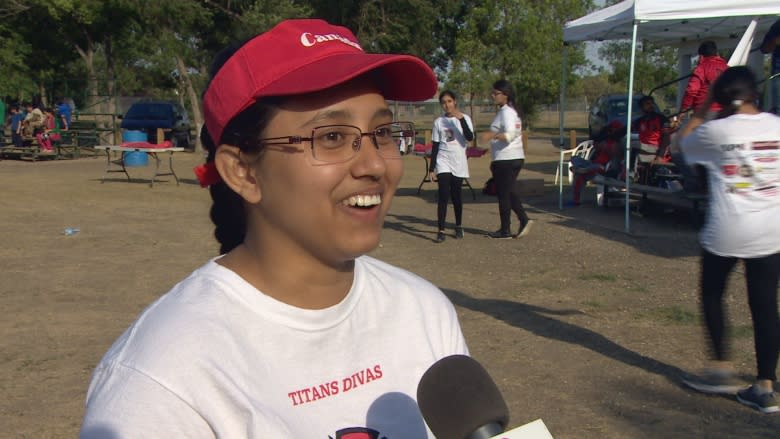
<point x="400" y="77"/>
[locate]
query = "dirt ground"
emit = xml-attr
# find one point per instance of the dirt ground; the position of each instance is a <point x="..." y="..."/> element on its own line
<point x="580" y="324"/>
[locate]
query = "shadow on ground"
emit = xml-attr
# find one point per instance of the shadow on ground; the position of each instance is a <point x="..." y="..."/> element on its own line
<point x="542" y="322"/>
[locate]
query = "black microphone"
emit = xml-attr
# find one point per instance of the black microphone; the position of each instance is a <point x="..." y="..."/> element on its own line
<point x="459" y="400"/>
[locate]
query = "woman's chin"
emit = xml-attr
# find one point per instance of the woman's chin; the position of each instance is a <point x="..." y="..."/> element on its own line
<point x="360" y="245"/>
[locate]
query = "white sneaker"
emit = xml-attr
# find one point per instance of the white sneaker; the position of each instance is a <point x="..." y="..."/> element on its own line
<point x="525" y="229"/>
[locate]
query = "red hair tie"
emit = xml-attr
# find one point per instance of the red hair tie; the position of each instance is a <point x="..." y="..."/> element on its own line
<point x="207" y="174"/>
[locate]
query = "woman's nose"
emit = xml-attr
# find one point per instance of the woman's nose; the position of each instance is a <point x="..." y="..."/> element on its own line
<point x="368" y="160"/>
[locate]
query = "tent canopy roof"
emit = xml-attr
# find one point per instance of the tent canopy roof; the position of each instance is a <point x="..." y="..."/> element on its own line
<point x="673" y="21"/>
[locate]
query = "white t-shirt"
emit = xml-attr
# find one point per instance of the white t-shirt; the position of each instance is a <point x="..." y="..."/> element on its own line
<point x="452" y="145"/>
<point x="507" y="121"/>
<point x="742" y="156"/>
<point x="215" y="357"/>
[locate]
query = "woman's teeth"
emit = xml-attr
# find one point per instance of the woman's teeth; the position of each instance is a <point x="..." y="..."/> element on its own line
<point x="362" y="200"/>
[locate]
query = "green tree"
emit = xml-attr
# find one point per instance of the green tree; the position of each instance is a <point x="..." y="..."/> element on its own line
<point x="521" y="41"/>
<point x="15" y="79"/>
<point x="423" y="28"/>
<point x="594" y="85"/>
<point x="654" y="65"/>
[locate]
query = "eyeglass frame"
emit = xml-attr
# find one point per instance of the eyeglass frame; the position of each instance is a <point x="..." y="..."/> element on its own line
<point x="297" y="140"/>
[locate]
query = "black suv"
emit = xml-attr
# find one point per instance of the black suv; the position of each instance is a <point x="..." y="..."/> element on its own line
<point x="168" y="115"/>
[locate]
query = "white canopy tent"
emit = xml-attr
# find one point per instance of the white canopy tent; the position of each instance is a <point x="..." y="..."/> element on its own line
<point x="681" y="23"/>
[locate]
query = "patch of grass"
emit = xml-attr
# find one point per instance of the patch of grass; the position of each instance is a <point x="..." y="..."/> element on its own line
<point x="593" y="304"/>
<point x="741" y="331"/>
<point x="638" y="289"/>
<point x="598" y="276"/>
<point x="674" y="314"/>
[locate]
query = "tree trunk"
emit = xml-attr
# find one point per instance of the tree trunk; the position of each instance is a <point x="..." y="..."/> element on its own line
<point x="110" y="103"/>
<point x="197" y="116"/>
<point x="88" y="55"/>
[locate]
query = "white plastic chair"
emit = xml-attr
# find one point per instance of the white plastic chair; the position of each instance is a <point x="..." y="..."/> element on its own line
<point x="582" y="150"/>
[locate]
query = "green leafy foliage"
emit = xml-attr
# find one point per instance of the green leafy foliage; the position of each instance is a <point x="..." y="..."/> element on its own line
<point x="517" y="40"/>
<point x="654" y="66"/>
<point x="163" y="49"/>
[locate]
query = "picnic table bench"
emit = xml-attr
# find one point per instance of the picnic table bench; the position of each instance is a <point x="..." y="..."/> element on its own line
<point x="608" y="188"/>
<point x="119" y="165"/>
<point x="70" y="145"/>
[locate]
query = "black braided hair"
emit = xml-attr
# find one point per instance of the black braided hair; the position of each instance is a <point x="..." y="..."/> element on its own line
<point x="228" y="212"/>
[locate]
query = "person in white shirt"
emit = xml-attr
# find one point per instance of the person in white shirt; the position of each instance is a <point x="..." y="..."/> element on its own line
<point x="293" y="332"/>
<point x="449" y="166"/>
<point x="740" y="150"/>
<point x="506" y="144"/>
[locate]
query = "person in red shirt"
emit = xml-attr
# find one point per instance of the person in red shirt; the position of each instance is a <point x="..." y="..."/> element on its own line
<point x="49" y="133"/>
<point x="710" y="66"/>
<point x="653" y="130"/>
<point x="605" y="151"/>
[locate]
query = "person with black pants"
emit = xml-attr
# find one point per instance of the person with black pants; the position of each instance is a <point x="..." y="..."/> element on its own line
<point x="508" y="157"/>
<point x="741" y="224"/>
<point x="449" y="167"/>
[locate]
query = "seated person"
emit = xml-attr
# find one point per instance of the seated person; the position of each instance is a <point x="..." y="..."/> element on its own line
<point x="64" y="112"/>
<point x="17" y="120"/>
<point x="33" y="120"/>
<point x="653" y="129"/>
<point x="606" y="158"/>
<point x="50" y="133"/>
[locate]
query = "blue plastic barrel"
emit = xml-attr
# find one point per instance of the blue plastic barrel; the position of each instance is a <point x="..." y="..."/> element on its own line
<point x="135" y="158"/>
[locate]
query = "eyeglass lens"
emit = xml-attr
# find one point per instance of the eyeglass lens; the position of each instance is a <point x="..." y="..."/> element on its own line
<point x="333" y="143"/>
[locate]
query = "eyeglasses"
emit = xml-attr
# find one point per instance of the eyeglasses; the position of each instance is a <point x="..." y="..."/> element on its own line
<point x="338" y="143"/>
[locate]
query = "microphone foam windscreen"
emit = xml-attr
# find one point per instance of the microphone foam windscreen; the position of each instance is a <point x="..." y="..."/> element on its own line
<point x="457" y="396"/>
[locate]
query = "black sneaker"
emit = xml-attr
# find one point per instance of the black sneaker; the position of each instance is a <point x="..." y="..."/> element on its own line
<point x="440" y="237"/>
<point x="498" y="234"/>
<point x="459" y="233"/>
<point x="764" y="402"/>
<point x="715" y="381"/>
<point x="525" y="229"/>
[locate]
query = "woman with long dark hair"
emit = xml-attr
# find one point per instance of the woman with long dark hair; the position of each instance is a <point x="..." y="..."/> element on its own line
<point x="740" y="150"/>
<point x="506" y="144"/>
<point x="293" y="332"/>
<point x="451" y="134"/>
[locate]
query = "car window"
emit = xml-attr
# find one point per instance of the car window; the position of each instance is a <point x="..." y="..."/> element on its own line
<point x="618" y="107"/>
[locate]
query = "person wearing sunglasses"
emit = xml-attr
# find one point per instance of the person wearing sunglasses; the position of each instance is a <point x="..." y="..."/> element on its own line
<point x="293" y="331"/>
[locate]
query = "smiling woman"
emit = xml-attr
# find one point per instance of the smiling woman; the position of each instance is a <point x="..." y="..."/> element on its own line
<point x="293" y="331"/>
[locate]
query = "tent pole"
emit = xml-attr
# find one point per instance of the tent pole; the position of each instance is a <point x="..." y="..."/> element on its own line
<point x="628" y="125"/>
<point x="561" y="104"/>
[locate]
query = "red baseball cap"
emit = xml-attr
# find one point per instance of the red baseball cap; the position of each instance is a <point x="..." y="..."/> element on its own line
<point x="304" y="56"/>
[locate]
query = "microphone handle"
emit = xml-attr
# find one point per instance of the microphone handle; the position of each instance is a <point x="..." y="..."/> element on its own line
<point x="487" y="431"/>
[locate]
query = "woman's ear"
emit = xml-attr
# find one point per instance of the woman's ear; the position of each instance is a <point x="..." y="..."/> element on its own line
<point x="237" y="173"/>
